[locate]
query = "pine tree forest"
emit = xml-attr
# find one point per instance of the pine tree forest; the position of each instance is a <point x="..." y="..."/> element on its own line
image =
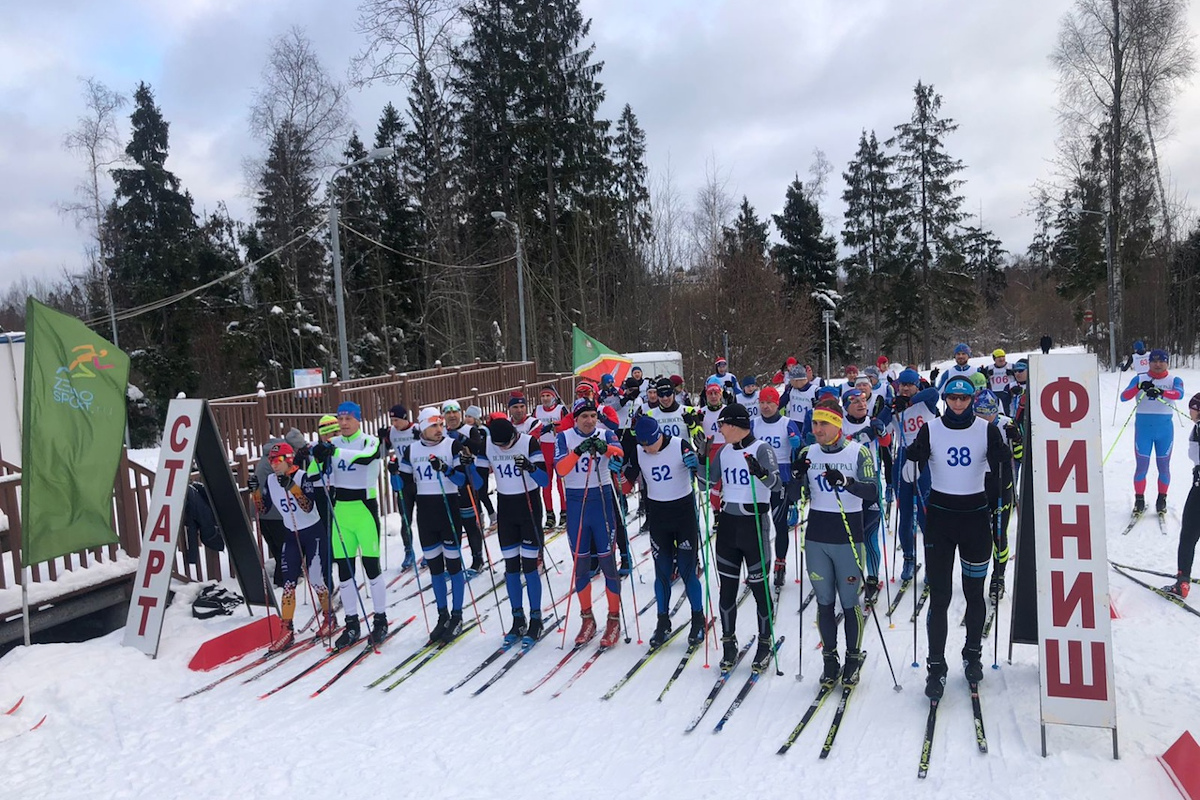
<point x="501" y="106"/>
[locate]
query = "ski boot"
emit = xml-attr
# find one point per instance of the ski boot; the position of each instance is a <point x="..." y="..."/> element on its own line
<point x="729" y="653"/>
<point x="587" y="627"/>
<point x="973" y="664"/>
<point x="910" y="568"/>
<point x="659" y="637"/>
<point x="534" y="631"/>
<point x="328" y="625"/>
<point x="439" y="627"/>
<point x="1160" y="505"/>
<point x="1139" y="503"/>
<point x="285" y="639"/>
<point x="696" y="631"/>
<point x="549" y="521"/>
<point x="870" y="594"/>
<point x="1179" y="588"/>
<point x="379" y="629"/>
<point x="935" y="680"/>
<point x="762" y="656"/>
<point x="518" y="629"/>
<point x="832" y="670"/>
<point x="854" y="662"/>
<point x="454" y="627"/>
<point x="612" y="630"/>
<point x="780" y="571"/>
<point x="475" y="568"/>
<point x="349" y="635"/>
<point x="996" y="586"/>
<point x="409" y="562"/>
<point x="626" y="564"/>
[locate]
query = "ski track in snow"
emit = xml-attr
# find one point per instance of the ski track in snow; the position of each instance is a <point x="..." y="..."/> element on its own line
<point x="116" y="728"/>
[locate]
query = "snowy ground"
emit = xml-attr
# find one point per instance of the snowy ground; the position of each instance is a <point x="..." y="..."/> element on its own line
<point x="115" y="727"/>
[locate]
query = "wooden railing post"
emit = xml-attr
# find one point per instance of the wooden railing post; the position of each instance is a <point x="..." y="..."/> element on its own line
<point x="262" y="427"/>
<point x="335" y="391"/>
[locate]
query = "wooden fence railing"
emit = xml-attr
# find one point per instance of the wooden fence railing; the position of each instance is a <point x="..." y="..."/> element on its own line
<point x="245" y="422"/>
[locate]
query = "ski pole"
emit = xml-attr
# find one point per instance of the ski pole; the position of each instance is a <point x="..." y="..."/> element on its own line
<point x="416" y="565"/>
<point x="858" y="562"/>
<point x="702" y="500"/>
<point x="916" y="523"/>
<point x="578" y="541"/>
<point x="1120" y="433"/>
<point x="605" y="508"/>
<point x="307" y="568"/>
<point x="486" y="551"/>
<point x="762" y="560"/>
<point x="458" y="536"/>
<point x="362" y="607"/>
<point x="996" y="600"/>
<point x="536" y="523"/>
<point x="384" y="544"/>
<point x="800" y="613"/>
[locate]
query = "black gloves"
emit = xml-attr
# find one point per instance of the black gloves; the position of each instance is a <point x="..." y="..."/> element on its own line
<point x="836" y="479"/>
<point x="438" y="465"/>
<point x="756" y="468"/>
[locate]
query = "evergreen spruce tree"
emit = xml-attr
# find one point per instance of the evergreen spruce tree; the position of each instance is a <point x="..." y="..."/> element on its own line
<point x="875" y="211"/>
<point x="151" y="243"/>
<point x="807" y="261"/>
<point x="928" y="177"/>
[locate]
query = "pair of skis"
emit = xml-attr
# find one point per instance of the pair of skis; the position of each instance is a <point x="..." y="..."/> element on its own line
<point x="931" y="724"/>
<point x="1136" y="517"/>
<point x="823" y="693"/>
<point x="723" y="679"/>
<point x="904" y="587"/>
<point x="523" y="645"/>
<point x="330" y="656"/>
<point x="424" y="655"/>
<point x="274" y="659"/>
<point x="1163" y="593"/>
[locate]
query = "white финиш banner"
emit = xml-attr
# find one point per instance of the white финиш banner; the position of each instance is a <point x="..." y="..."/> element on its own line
<point x="1074" y="623"/>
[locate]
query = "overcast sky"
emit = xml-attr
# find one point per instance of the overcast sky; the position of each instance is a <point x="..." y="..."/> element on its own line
<point x="755" y="85"/>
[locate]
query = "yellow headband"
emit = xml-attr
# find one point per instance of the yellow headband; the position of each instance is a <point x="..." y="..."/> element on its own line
<point x="826" y="415"/>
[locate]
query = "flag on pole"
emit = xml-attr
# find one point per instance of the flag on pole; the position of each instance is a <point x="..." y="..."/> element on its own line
<point x="593" y="358"/>
<point x="73" y="429"/>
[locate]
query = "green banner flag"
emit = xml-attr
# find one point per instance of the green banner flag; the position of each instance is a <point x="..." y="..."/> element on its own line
<point x="593" y="359"/>
<point x="72" y="432"/>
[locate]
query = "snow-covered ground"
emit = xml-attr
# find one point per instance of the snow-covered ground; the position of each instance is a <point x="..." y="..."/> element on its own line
<point x="116" y="728"/>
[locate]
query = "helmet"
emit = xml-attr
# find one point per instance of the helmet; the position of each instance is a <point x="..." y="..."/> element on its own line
<point x="960" y="386"/>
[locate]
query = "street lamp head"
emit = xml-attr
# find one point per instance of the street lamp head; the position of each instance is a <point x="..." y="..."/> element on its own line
<point x="381" y="152"/>
<point x="499" y="216"/>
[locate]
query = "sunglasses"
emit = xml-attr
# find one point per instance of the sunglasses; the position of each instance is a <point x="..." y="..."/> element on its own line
<point x="1158" y="360"/>
<point x="958" y="397"/>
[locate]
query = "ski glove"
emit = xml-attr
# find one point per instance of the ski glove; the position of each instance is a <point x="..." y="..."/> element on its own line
<point x="397" y="482"/>
<point x="899" y="403"/>
<point x="836" y="479"/>
<point x="691" y="461"/>
<point x="755" y="467"/>
<point x="465" y="458"/>
<point x="437" y="465"/>
<point x="252" y="482"/>
<point x="393" y="465"/>
<point x="700" y="442"/>
<point x="794" y="442"/>
<point x="1146" y="386"/>
<point x="383" y="434"/>
<point x="615" y="465"/>
<point x="286" y="482"/>
<point x="908" y="473"/>
<point x="934" y="373"/>
<point x="523" y="464"/>
<point x="322" y="451"/>
<point x="1154" y="393"/>
<point x="1196" y="477"/>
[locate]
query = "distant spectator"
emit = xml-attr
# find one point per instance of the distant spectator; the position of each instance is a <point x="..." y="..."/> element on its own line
<point x="1046" y="343"/>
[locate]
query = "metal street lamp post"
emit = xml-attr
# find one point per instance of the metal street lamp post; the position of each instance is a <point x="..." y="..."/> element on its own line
<point x="335" y="247"/>
<point x="828" y="317"/>
<point x="503" y="219"/>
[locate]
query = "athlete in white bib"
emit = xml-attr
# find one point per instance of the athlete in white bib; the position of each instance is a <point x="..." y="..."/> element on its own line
<point x="957" y="450"/>
<point x="516" y="461"/>
<point x="748" y="473"/>
<point x="839" y="477"/>
<point x="394" y="438"/>
<point x="550" y="412"/>
<point x="667" y="466"/>
<point x="291" y="491"/>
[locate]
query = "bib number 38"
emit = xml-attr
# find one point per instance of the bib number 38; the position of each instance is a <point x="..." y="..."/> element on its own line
<point x="958" y="456"/>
